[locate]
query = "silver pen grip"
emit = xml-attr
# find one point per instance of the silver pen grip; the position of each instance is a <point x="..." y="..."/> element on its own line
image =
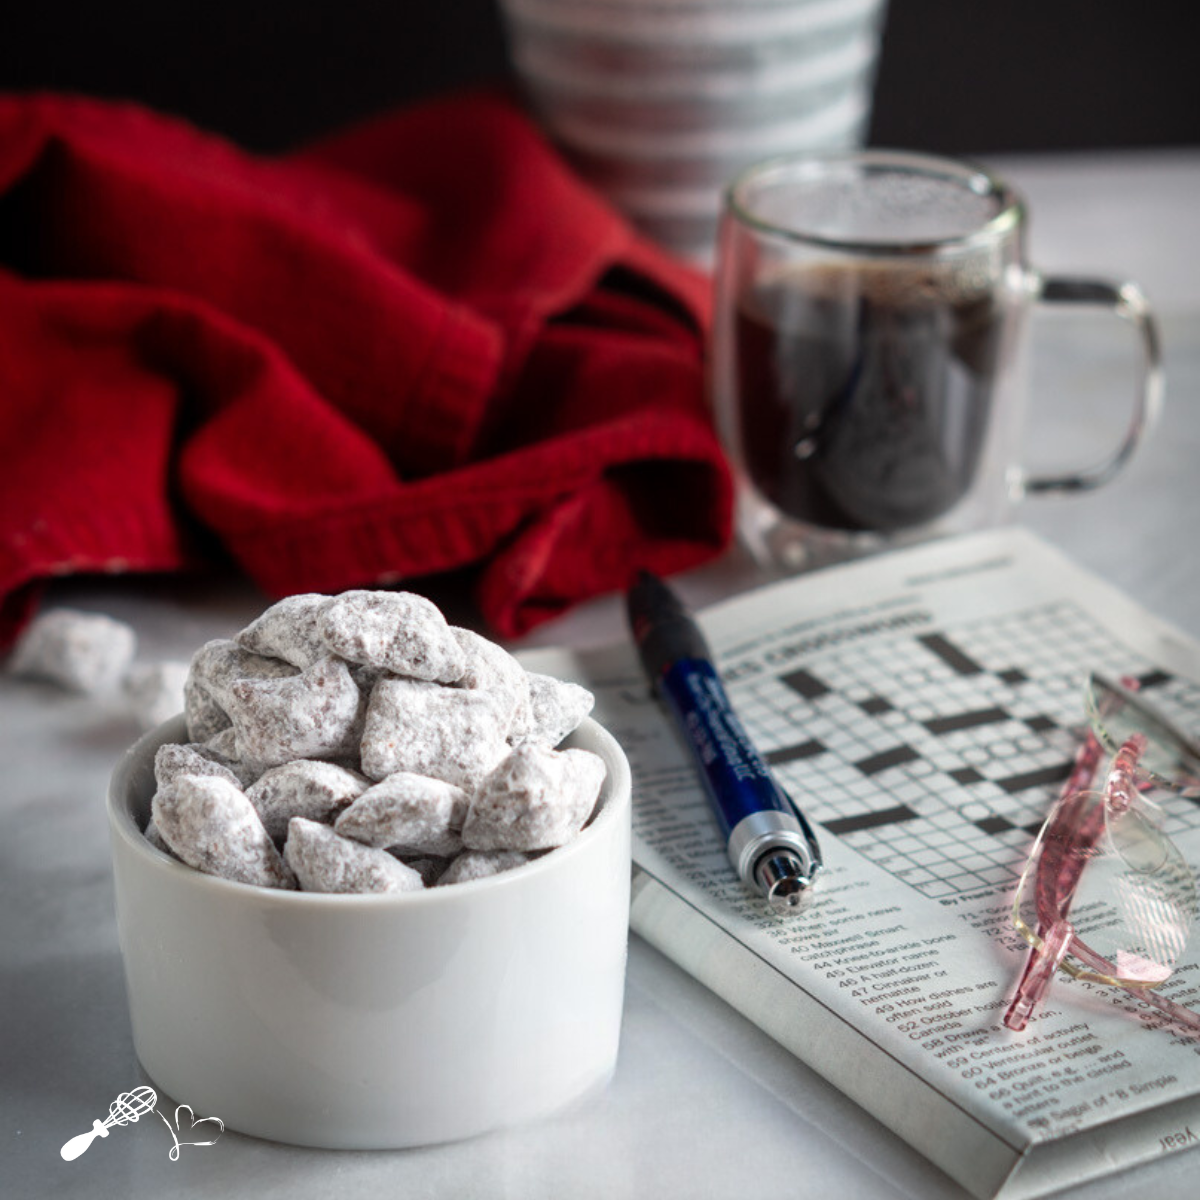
<point x="759" y="834"/>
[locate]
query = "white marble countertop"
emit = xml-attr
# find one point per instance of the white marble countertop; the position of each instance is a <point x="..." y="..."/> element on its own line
<point x="703" y="1104"/>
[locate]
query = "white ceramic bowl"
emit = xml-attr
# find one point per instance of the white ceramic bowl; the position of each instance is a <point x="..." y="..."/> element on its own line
<point x="376" y="1021"/>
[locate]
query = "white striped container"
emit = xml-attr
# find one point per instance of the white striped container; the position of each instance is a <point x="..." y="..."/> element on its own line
<point x="660" y="102"/>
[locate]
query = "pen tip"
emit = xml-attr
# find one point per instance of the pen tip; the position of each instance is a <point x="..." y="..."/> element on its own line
<point x="787" y="885"/>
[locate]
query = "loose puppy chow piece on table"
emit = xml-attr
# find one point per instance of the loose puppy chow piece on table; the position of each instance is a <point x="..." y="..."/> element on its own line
<point x="83" y="652"/>
<point x="536" y="799"/>
<point x="412" y="814"/>
<point x="209" y="824"/>
<point x="304" y="788"/>
<point x="455" y="734"/>
<point x="398" y="632"/>
<point x="155" y="691"/>
<point x="324" y="861"/>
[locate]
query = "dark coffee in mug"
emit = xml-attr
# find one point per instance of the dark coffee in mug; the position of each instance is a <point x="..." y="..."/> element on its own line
<point x="866" y="390"/>
<point x="868" y="352"/>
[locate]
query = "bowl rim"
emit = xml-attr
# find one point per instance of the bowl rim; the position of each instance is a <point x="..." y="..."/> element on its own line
<point x="616" y="796"/>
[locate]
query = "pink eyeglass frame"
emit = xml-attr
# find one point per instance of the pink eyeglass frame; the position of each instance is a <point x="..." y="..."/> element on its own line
<point x="1064" y="849"/>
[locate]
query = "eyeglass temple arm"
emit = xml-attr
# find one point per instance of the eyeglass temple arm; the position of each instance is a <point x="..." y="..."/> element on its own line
<point x="1053" y="887"/>
<point x="1063" y="859"/>
<point x="1039" y="970"/>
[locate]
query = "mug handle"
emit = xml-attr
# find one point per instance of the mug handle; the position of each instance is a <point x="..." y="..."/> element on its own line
<point x="1129" y="302"/>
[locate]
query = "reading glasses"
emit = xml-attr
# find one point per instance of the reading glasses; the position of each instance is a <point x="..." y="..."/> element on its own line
<point x="1106" y="896"/>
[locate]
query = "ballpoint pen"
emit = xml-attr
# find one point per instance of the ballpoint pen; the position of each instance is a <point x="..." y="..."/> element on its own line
<point x="770" y="844"/>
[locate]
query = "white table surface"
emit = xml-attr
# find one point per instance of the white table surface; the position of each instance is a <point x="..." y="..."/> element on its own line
<point x="703" y="1104"/>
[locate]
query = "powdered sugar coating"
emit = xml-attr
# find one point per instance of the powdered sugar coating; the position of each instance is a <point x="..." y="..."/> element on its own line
<point x="290" y="630"/>
<point x="214" y="669"/>
<point x="399" y="632"/>
<point x="211" y="826"/>
<point x="537" y="798"/>
<point x="84" y="652"/>
<point x="324" y="861"/>
<point x="316" y="714"/>
<point x="221" y="663"/>
<point x="481" y="864"/>
<point x="490" y="668"/>
<point x="172" y="760"/>
<point x="304" y="788"/>
<point x="455" y="734"/>
<point x="462" y="738"/>
<point x="204" y="716"/>
<point x="557" y="708"/>
<point x="223" y="748"/>
<point x="412" y="813"/>
<point x="155" y="691"/>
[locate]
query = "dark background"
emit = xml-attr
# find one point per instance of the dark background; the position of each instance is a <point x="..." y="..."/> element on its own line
<point x="957" y="76"/>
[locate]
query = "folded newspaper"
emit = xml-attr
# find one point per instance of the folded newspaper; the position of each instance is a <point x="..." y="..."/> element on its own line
<point x="923" y="708"/>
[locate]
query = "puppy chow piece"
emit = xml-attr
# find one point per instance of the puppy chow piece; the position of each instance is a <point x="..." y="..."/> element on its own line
<point x="223" y="745"/>
<point x="173" y="760"/>
<point x="223" y="748"/>
<point x="204" y="716"/>
<point x="455" y="734"/>
<point x="221" y="663"/>
<point x="480" y="864"/>
<point x="453" y="739"/>
<point x="214" y="669"/>
<point x="413" y="814"/>
<point x="325" y="861"/>
<point x="155" y="691"/>
<point x="316" y="714"/>
<point x="490" y="668"/>
<point x="537" y="798"/>
<point x="84" y="652"/>
<point x="398" y="632"/>
<point x="558" y="707"/>
<point x="304" y="788"/>
<point x="211" y="826"/>
<point x="290" y="629"/>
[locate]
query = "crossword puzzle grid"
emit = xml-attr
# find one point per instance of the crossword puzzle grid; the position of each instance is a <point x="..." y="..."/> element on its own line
<point x="938" y="754"/>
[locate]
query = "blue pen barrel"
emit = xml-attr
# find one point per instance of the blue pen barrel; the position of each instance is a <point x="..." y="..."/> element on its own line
<point x="770" y="844"/>
<point x="739" y="783"/>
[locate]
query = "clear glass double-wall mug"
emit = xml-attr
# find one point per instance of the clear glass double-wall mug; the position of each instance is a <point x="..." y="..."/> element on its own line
<point x="869" y="347"/>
